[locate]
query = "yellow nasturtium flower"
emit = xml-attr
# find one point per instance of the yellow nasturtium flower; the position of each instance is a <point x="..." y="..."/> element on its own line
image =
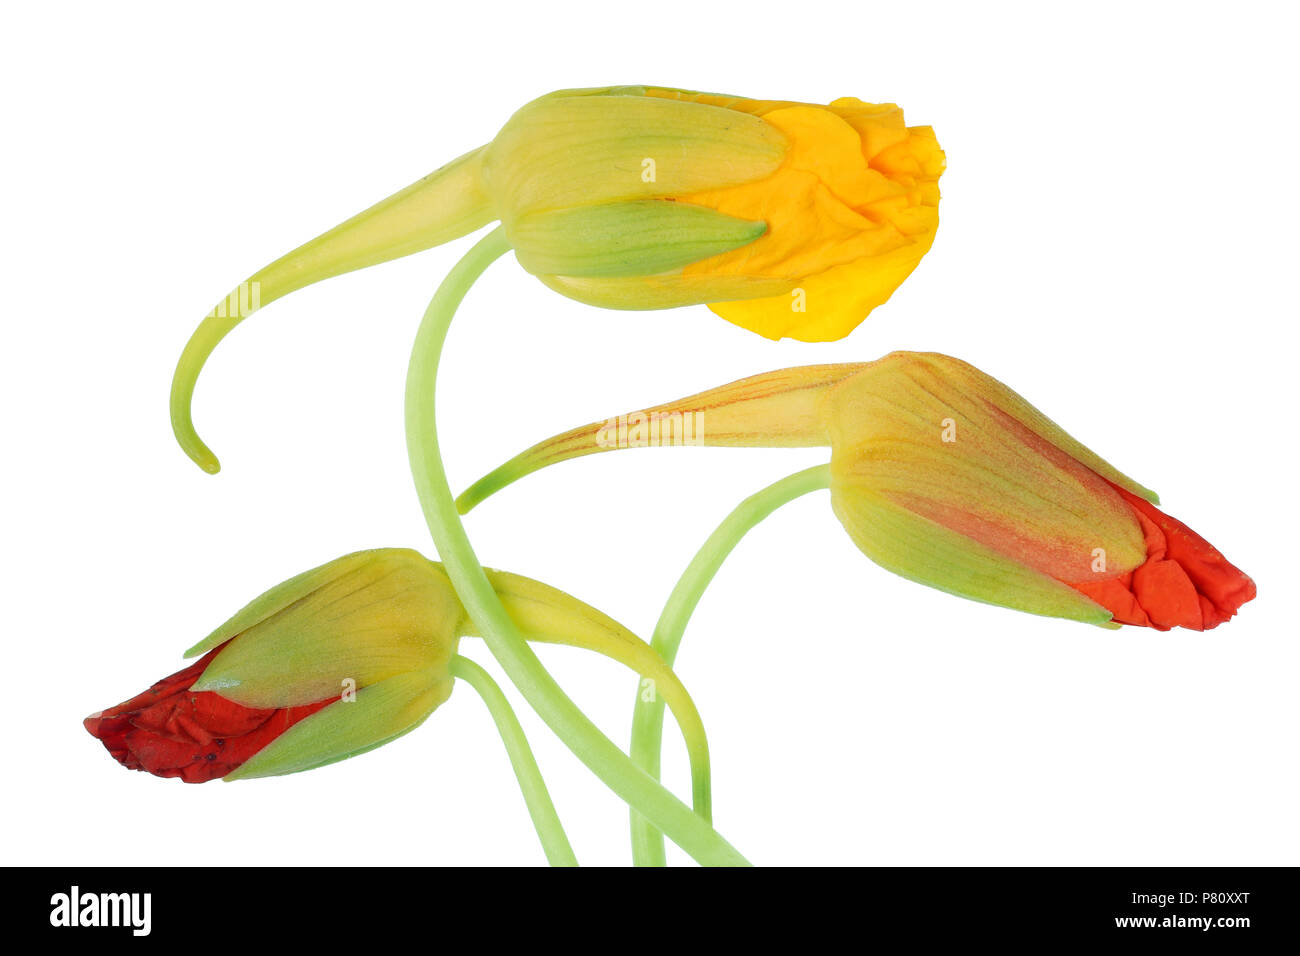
<point x="850" y="212"/>
<point x="788" y="219"/>
<point x="815" y="214"/>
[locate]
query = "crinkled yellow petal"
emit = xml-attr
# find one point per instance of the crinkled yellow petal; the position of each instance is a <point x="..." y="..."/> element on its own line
<point x="827" y="306"/>
<point x="818" y="205"/>
<point x="850" y="213"/>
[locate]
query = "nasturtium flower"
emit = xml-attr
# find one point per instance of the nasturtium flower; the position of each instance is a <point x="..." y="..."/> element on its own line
<point x="330" y="663"/>
<point x="788" y="219"/>
<point x="334" y="662"/>
<point x="943" y="475"/>
<point x="692" y="197"/>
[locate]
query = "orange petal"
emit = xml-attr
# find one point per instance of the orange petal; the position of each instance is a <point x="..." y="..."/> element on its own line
<point x="1185" y="581"/>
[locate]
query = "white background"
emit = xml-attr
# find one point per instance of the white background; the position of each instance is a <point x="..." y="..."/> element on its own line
<point x="1118" y="243"/>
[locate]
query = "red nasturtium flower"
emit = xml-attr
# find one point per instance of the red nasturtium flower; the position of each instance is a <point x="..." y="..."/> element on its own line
<point x="337" y="661"/>
<point x="172" y="731"/>
<point x="333" y="662"/>
<point x="942" y="474"/>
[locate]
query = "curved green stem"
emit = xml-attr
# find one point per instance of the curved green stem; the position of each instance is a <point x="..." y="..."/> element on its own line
<point x="545" y="820"/>
<point x="641" y="791"/>
<point x="547" y="615"/>
<point x="648" y="718"/>
<point x="659" y="681"/>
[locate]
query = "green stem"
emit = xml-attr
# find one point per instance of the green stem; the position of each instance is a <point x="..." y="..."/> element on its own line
<point x="641" y="791"/>
<point x="545" y="820"/>
<point x="648" y="718"/>
<point x="646" y="664"/>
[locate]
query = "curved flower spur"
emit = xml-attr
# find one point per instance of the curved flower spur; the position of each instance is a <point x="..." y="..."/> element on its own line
<point x="940" y="474"/>
<point x="349" y="656"/>
<point x="788" y="219"/>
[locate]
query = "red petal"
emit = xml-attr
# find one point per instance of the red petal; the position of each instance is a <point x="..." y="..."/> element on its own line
<point x="1185" y="581"/>
<point x="170" y="731"/>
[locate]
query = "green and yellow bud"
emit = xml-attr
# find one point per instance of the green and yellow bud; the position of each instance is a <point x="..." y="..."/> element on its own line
<point x="362" y="619"/>
<point x="942" y="474"/>
<point x="819" y="212"/>
<point x="340" y="660"/>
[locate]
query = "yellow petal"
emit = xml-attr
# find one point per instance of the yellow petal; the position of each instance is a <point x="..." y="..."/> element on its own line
<point x="848" y="220"/>
<point x="828" y="306"/>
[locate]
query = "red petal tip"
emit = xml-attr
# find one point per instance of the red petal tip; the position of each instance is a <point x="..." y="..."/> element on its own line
<point x="171" y="731"/>
<point x="1184" y="582"/>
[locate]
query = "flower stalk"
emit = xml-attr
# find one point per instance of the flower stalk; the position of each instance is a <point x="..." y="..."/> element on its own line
<point x="538" y="799"/>
<point x="648" y="717"/>
<point x="641" y="791"/>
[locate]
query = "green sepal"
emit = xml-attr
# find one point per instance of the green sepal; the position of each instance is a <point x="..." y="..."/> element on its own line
<point x="379" y="713"/>
<point x="363" y="618"/>
<point x="619" y="239"/>
<point x="275" y="600"/>
<point x="965" y="376"/>
<point x="920" y="550"/>
<point x="637" y="293"/>
<point x="580" y="147"/>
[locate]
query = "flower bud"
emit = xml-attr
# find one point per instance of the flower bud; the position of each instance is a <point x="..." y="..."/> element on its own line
<point x="788" y="219"/>
<point x="333" y="662"/>
<point x="817" y="212"/>
<point x="362" y="618"/>
<point x="944" y="475"/>
<point x="337" y="661"/>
